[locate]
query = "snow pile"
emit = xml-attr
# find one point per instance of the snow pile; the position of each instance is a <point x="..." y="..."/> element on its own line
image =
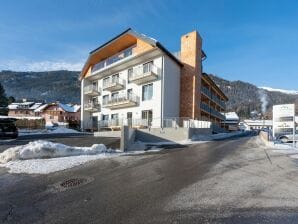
<point x="61" y="130"/>
<point x="56" y="130"/>
<point x="44" y="149"/>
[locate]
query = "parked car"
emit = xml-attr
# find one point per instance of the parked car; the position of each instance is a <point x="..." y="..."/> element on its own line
<point x="8" y="129"/>
<point x="288" y="138"/>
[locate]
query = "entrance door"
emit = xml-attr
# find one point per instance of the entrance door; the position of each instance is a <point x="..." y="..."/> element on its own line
<point x="147" y="115"/>
<point x="94" y="123"/>
<point x="129" y="119"/>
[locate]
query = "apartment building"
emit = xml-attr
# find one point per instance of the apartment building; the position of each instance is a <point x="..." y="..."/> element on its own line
<point x="133" y="79"/>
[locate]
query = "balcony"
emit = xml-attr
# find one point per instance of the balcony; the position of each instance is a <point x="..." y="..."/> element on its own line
<point x="122" y="101"/>
<point x="113" y="59"/>
<point x="205" y="107"/>
<point x="114" y="84"/>
<point x="206" y="91"/>
<point x="92" y="90"/>
<point x="219" y="101"/>
<point x="144" y="73"/>
<point x="92" y="107"/>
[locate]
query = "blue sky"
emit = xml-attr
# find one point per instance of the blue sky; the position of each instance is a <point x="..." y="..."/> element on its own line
<point x="249" y="40"/>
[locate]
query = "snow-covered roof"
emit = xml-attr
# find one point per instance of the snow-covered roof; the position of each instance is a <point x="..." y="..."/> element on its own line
<point x="24" y="105"/>
<point x="259" y="122"/>
<point x="69" y="107"/>
<point x="231" y="116"/>
<point x="40" y="109"/>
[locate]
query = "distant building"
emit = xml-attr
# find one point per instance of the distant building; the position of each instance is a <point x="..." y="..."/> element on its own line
<point x="58" y="113"/>
<point x="231" y="122"/>
<point x="258" y="124"/>
<point x="23" y="109"/>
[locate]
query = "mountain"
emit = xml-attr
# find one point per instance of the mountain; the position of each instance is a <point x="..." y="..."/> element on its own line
<point x="293" y="92"/>
<point x="62" y="86"/>
<point x="245" y="97"/>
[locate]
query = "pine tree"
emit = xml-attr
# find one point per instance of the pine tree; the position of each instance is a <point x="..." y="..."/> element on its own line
<point x="3" y="101"/>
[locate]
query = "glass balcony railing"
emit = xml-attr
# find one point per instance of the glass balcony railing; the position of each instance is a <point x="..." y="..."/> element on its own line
<point x="113" y="59"/>
<point x="121" y="101"/>
<point x="143" y="73"/>
<point x="92" y="90"/>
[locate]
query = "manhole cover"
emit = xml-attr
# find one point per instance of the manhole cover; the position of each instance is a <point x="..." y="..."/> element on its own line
<point x="74" y="182"/>
<point x="71" y="183"/>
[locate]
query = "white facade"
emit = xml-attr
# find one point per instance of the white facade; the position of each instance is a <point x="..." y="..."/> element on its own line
<point x="130" y="100"/>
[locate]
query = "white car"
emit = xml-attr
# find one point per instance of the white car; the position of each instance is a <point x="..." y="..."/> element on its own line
<point x="288" y="138"/>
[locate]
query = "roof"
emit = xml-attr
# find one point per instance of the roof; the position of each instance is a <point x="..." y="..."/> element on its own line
<point x="231" y="116"/>
<point x="258" y="122"/>
<point x="24" y="105"/>
<point x="72" y="108"/>
<point x="143" y="37"/>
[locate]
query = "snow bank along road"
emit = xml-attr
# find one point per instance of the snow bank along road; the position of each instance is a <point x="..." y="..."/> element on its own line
<point x="234" y="181"/>
<point x="71" y="139"/>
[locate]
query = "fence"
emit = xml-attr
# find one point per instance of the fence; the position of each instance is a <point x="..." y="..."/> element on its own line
<point x="30" y="123"/>
<point x="175" y="122"/>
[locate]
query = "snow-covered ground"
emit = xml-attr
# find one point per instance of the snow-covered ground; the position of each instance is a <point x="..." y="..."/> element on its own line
<point x="56" y="130"/>
<point x="295" y="92"/>
<point x="43" y="157"/>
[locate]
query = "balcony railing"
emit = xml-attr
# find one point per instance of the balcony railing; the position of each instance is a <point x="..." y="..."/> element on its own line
<point x="206" y="91"/>
<point x="113" y="59"/>
<point x="121" y="101"/>
<point x="212" y="111"/>
<point x="113" y="84"/>
<point x="92" y="90"/>
<point x="213" y="97"/>
<point x="144" y="73"/>
<point x="92" y="107"/>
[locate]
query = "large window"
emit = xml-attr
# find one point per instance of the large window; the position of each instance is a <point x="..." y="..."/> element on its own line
<point x="147" y="92"/>
<point x="105" y="81"/>
<point x="147" y="67"/>
<point x="115" y="96"/>
<point x="115" y="78"/>
<point x="129" y="73"/>
<point x="147" y="116"/>
<point x="105" y="99"/>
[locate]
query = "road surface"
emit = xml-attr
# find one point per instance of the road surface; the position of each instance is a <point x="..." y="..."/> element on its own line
<point x="231" y="181"/>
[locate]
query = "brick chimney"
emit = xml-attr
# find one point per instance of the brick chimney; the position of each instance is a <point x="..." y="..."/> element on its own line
<point x="190" y="83"/>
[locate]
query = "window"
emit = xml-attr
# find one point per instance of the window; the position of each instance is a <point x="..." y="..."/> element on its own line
<point x="105" y="81"/>
<point x="129" y="73"/>
<point x="147" y="116"/>
<point x="129" y="93"/>
<point x="147" y="92"/>
<point x="94" y="85"/>
<point x="115" y="96"/>
<point x="115" y="78"/>
<point x="105" y="99"/>
<point x="147" y="67"/>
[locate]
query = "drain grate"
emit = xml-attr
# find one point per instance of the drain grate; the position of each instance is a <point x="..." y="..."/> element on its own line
<point x="73" y="182"/>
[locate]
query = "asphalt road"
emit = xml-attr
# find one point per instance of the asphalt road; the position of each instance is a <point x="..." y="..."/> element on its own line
<point x="232" y="181"/>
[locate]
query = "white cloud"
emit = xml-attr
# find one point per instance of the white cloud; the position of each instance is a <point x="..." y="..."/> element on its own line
<point x="37" y="66"/>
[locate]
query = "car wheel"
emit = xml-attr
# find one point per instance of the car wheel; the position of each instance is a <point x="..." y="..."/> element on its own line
<point x="284" y="139"/>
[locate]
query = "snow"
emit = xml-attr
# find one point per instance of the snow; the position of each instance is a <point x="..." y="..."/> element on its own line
<point x="43" y="157"/>
<point x="69" y="107"/>
<point x="231" y="116"/>
<point x="56" y="130"/>
<point x="292" y="92"/>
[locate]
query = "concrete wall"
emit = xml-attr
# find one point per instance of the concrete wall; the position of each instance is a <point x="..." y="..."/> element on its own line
<point x="114" y="134"/>
<point x="264" y="135"/>
<point x="169" y="134"/>
<point x="127" y="138"/>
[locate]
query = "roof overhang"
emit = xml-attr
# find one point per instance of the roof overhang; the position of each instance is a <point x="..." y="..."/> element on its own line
<point x="123" y="40"/>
